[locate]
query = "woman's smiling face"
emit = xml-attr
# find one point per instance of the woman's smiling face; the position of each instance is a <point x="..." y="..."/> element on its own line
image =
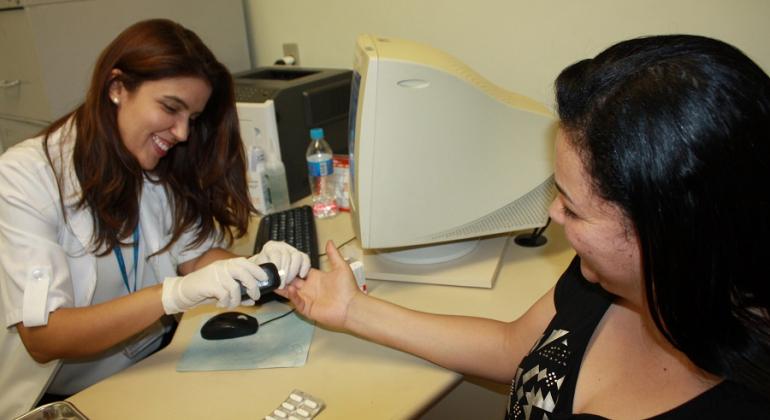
<point x="598" y="230"/>
<point x="156" y="116"/>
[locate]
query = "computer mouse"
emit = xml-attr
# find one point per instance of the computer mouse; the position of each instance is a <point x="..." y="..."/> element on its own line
<point x="229" y="325"/>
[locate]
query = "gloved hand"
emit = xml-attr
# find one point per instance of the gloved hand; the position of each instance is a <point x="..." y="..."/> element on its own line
<point x="218" y="280"/>
<point x="289" y="261"/>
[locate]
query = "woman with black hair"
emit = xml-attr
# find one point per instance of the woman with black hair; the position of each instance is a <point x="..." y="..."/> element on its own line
<point x="661" y="157"/>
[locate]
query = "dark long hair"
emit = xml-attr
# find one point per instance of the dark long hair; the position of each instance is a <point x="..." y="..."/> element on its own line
<point x="205" y="176"/>
<point x="676" y="131"/>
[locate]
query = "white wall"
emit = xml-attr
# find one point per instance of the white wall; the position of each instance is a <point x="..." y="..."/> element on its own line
<point x="520" y="45"/>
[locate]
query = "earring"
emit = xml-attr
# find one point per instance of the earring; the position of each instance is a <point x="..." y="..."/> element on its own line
<point x="115" y="100"/>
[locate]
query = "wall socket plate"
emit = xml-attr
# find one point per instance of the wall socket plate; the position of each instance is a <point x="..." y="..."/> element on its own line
<point x="291" y="49"/>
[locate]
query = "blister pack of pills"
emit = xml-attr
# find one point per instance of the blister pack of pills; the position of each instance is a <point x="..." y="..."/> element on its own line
<point x="297" y="406"/>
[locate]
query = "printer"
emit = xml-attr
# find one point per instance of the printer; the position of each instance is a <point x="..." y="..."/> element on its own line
<point x="304" y="98"/>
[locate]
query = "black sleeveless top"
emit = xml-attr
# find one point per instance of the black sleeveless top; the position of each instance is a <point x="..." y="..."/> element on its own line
<point x="544" y="386"/>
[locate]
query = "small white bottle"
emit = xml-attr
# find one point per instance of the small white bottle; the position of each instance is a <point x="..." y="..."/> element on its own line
<point x="275" y="172"/>
<point x="259" y="193"/>
<point x="320" y="170"/>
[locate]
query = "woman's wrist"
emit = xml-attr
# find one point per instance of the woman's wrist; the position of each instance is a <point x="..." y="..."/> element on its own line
<point x="354" y="310"/>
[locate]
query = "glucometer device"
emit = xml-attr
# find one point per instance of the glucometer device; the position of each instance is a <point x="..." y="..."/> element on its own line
<point x="265" y="286"/>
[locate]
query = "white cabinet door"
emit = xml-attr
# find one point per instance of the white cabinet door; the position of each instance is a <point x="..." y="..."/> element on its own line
<point x="48" y="47"/>
<point x="21" y="91"/>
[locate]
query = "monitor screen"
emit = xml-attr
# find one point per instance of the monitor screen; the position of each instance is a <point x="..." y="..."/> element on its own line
<point x="444" y="164"/>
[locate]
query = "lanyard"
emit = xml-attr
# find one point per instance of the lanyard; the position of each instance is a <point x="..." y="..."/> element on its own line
<point x="122" y="263"/>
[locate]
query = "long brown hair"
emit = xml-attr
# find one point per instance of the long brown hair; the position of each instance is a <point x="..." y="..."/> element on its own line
<point x="204" y="177"/>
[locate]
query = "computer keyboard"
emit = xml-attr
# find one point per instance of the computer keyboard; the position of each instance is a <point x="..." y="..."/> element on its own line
<point x="295" y="226"/>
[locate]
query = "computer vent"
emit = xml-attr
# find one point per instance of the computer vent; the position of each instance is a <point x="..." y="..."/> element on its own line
<point x="529" y="211"/>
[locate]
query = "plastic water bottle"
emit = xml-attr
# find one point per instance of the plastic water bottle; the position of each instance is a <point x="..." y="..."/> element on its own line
<point x="320" y="170"/>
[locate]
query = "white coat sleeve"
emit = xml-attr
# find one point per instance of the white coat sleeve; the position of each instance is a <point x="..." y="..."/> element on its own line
<point x="34" y="269"/>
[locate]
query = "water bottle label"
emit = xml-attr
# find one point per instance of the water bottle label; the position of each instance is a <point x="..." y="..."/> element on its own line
<point x="321" y="168"/>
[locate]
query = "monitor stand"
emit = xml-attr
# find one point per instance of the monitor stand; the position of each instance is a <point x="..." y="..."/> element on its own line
<point x="472" y="263"/>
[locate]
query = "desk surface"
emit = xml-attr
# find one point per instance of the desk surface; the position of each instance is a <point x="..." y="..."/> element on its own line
<point x="353" y="376"/>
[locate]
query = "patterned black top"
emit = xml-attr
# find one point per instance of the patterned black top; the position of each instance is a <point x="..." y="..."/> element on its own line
<point x="544" y="386"/>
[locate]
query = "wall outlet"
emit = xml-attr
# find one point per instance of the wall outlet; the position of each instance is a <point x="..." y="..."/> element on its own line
<point x="291" y="49"/>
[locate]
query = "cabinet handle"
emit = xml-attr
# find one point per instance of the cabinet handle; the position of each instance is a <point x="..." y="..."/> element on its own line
<point x="9" y="83"/>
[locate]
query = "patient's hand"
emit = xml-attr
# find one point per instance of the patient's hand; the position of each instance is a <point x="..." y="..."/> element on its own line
<point x="325" y="296"/>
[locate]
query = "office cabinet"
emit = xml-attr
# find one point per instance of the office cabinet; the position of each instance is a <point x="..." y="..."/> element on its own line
<point x="12" y="131"/>
<point x="20" y="84"/>
<point x="48" y="48"/>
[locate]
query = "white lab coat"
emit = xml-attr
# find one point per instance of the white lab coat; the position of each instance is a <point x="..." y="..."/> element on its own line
<point x="45" y="264"/>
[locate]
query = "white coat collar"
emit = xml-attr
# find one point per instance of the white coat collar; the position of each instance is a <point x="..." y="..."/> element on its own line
<point x="153" y="205"/>
<point x="152" y="213"/>
<point x="80" y="220"/>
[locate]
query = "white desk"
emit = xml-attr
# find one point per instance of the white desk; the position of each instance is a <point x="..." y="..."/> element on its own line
<point x="356" y="378"/>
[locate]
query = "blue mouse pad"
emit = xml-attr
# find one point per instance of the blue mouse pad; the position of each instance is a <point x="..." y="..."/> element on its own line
<point x="281" y="343"/>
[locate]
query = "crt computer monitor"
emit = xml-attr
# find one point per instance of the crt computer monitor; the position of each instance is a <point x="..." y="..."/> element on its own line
<point x="444" y="165"/>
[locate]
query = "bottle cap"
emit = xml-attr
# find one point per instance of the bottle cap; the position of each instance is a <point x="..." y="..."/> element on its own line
<point x="316" y="133"/>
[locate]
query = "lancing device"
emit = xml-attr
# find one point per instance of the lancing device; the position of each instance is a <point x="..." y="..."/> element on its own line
<point x="265" y="286"/>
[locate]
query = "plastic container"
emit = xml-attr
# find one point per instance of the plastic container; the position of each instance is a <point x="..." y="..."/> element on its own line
<point x="58" y="410"/>
<point x="259" y="192"/>
<point x="342" y="181"/>
<point x="320" y="172"/>
<point x="275" y="173"/>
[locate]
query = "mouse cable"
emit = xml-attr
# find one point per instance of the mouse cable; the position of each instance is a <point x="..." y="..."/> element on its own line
<point x="278" y="317"/>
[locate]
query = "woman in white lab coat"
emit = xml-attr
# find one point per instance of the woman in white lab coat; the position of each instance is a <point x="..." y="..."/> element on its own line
<point x="118" y="214"/>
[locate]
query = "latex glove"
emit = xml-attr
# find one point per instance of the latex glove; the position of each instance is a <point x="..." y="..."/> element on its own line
<point x="289" y="261"/>
<point x="218" y="280"/>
